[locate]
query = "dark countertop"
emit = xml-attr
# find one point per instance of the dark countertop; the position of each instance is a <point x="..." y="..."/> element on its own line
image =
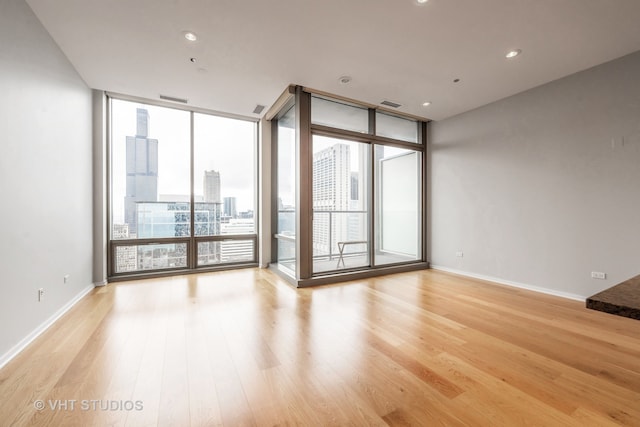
<point x="622" y="299"/>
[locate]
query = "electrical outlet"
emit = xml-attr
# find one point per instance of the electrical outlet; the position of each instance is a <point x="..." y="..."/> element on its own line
<point x="65" y="278"/>
<point x="40" y="294"/>
<point x="459" y="254"/>
<point x="598" y="275"/>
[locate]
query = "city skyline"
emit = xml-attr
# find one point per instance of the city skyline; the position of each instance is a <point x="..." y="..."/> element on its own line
<point x="147" y="209"/>
<point x="224" y="145"/>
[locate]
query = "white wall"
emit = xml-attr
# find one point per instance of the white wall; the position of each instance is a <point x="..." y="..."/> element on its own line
<point x="45" y="178"/>
<point x="543" y="188"/>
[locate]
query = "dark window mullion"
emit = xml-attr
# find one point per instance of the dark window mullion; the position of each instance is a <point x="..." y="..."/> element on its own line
<point x="192" y="252"/>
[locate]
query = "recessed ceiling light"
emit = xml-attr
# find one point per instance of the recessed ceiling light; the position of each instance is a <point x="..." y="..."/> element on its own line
<point x="422" y="1"/>
<point x="513" y="53"/>
<point x="426" y="104"/>
<point x="190" y="36"/>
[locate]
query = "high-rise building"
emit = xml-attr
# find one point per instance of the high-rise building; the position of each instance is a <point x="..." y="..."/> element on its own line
<point x="237" y="250"/>
<point x="331" y="193"/>
<point x="230" y="207"/>
<point x="120" y="231"/>
<point x="332" y="178"/>
<point x="211" y="186"/>
<point x="125" y="256"/>
<point x="142" y="170"/>
<point x="209" y="252"/>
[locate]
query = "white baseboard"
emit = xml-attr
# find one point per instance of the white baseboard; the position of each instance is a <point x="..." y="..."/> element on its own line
<point x="100" y="284"/>
<point x="16" y="349"/>
<point x="547" y="291"/>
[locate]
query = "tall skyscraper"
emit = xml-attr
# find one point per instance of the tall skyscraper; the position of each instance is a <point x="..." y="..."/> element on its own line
<point x="332" y="178"/>
<point x="142" y="170"/>
<point x="331" y="192"/>
<point x="209" y="252"/>
<point x="211" y="187"/>
<point x="230" y="207"/>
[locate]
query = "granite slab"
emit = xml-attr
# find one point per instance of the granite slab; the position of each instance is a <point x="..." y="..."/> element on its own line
<point x="621" y="300"/>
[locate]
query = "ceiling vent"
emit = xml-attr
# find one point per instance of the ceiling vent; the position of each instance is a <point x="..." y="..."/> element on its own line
<point x="258" y="109"/>
<point x="174" y="99"/>
<point x="390" y="104"/>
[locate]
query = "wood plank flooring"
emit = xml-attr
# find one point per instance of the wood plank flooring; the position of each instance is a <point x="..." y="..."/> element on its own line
<point x="243" y="348"/>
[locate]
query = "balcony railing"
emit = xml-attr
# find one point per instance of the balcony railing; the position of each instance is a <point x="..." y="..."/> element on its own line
<point x="333" y="228"/>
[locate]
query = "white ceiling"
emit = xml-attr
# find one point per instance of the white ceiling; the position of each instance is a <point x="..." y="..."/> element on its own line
<point x="249" y="51"/>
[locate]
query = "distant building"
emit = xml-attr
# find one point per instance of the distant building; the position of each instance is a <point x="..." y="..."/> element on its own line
<point x="120" y="231"/>
<point x="230" y="207"/>
<point x="238" y="250"/>
<point x="331" y="193"/>
<point x="141" y="168"/>
<point x="126" y="259"/>
<point x="125" y="256"/>
<point x="172" y="219"/>
<point x="211" y="187"/>
<point x="245" y="214"/>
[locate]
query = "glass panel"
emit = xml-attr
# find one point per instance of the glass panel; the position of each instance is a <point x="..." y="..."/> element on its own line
<point x="340" y="217"/>
<point x="339" y="115"/>
<point x="396" y="127"/>
<point x="226" y="251"/>
<point x="398" y="214"/>
<point x="286" y="171"/>
<point x="150" y="257"/>
<point x="149" y="164"/>
<point x="224" y="175"/>
<point x="287" y="256"/>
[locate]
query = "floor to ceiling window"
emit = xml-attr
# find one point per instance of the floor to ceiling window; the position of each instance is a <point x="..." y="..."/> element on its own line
<point x="182" y="189"/>
<point x="357" y="205"/>
<point x="285" y="213"/>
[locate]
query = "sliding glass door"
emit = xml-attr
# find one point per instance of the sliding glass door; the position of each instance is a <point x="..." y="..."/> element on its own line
<point x="340" y="204"/>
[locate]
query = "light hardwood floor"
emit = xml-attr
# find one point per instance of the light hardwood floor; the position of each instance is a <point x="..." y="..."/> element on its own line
<point x="243" y="348"/>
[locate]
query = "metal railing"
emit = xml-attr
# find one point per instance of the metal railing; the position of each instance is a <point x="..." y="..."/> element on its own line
<point x="349" y="233"/>
<point x="346" y="234"/>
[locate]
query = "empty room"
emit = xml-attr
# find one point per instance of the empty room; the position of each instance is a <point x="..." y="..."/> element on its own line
<point x="386" y="212"/>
